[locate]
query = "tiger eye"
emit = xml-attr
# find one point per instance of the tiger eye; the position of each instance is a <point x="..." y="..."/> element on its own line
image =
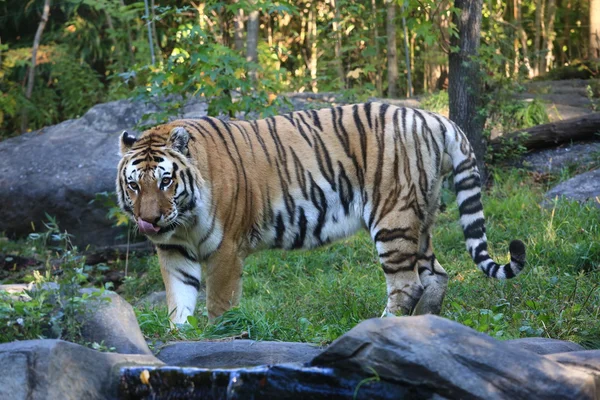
<point x="166" y="181"/>
<point x="133" y="186"/>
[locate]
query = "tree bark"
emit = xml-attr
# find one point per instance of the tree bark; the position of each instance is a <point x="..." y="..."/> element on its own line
<point x="594" y="52"/>
<point x="537" y="39"/>
<point x="552" y="134"/>
<point x="464" y="80"/>
<point x="375" y="44"/>
<point x="312" y="44"/>
<point x="238" y="30"/>
<point x="36" y="45"/>
<point x="339" y="63"/>
<point x="252" y="40"/>
<point x="549" y="34"/>
<point x="392" y="53"/>
<point x="129" y="39"/>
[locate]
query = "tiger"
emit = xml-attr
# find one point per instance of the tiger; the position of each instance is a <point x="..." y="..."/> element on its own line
<point x="210" y="192"/>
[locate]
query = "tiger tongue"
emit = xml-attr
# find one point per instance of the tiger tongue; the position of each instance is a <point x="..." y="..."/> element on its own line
<point x="147" y="227"/>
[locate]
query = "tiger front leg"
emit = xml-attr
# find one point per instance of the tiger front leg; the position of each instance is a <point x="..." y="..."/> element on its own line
<point x="223" y="281"/>
<point x="181" y="275"/>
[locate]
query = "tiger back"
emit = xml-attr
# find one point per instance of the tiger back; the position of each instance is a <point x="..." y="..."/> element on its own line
<point x="212" y="192"/>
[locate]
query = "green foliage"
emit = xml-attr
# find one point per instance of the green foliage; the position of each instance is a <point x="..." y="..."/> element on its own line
<point x="55" y="307"/>
<point x="64" y="88"/>
<point x="436" y="102"/>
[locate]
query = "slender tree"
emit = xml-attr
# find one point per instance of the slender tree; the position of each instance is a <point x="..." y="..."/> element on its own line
<point x="337" y="50"/>
<point x="252" y="39"/>
<point x="392" y="52"/>
<point x="594" y="52"/>
<point x="238" y="29"/>
<point x="464" y="81"/>
<point x="36" y="45"/>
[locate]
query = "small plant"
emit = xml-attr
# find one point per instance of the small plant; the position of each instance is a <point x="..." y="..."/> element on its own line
<point x="55" y="307"/>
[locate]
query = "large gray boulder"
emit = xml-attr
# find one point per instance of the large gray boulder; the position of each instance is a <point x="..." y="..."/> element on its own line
<point x="59" y="169"/>
<point x="111" y="320"/>
<point x="454" y="361"/>
<point x="235" y="353"/>
<point x="58" y="370"/>
<point x="583" y="188"/>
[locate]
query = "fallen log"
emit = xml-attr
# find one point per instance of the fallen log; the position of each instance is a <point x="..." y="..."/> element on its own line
<point x="586" y="127"/>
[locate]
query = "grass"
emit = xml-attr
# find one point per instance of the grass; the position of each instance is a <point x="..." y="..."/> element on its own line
<point x="316" y="296"/>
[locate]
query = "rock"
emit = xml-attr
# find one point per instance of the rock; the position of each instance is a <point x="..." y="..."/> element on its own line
<point x="58" y="370"/>
<point x="235" y="353"/>
<point x="456" y="361"/>
<point x="554" y="159"/>
<point x="587" y="361"/>
<point x="582" y="188"/>
<point x="543" y="346"/>
<point x="59" y="169"/>
<point x="114" y="323"/>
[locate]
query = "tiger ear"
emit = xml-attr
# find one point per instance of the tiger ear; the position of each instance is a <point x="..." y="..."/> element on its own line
<point x="127" y="140"/>
<point x="179" y="140"/>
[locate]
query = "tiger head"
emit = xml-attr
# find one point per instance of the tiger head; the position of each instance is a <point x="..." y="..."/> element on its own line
<point x="155" y="184"/>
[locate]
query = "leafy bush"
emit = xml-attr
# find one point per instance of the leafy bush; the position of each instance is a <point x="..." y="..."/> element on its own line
<point x="55" y="307"/>
<point x="64" y="88"/>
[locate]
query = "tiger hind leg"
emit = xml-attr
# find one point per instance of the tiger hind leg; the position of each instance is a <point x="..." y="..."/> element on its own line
<point x="435" y="281"/>
<point x="398" y="255"/>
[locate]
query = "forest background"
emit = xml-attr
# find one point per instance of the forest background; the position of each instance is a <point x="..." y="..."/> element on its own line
<point x="92" y="51"/>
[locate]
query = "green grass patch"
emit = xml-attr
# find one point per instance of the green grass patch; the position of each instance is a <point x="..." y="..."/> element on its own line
<point x="316" y="296"/>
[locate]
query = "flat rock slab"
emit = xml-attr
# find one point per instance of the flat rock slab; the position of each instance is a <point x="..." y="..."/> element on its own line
<point x="235" y="353"/>
<point x="543" y="346"/>
<point x="454" y="361"/>
<point x="554" y="159"/>
<point x="58" y="370"/>
<point x="583" y="188"/>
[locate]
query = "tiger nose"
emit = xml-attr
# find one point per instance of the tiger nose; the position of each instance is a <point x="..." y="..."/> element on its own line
<point x="150" y="219"/>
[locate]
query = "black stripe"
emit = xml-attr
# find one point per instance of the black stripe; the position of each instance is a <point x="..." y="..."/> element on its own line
<point x="178" y="248"/>
<point x="279" y="230"/>
<point x="189" y="279"/>
<point x="387" y="235"/>
<point x="346" y="192"/>
<point x="302" y="223"/>
<point x="475" y="230"/>
<point x="471" y="205"/>
<point x="467" y="183"/>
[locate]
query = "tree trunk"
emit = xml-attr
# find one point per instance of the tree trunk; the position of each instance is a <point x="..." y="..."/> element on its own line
<point x="238" y="30"/>
<point x="36" y="45"/>
<point x="339" y="63"/>
<point x="549" y="35"/>
<point x="594" y="52"/>
<point x="537" y="41"/>
<point x="552" y="134"/>
<point x="409" y="91"/>
<point x="522" y="37"/>
<point x="464" y="80"/>
<point x="252" y="40"/>
<point x="312" y="43"/>
<point x="129" y="39"/>
<point x="375" y="44"/>
<point x="153" y="24"/>
<point x="392" y="53"/>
